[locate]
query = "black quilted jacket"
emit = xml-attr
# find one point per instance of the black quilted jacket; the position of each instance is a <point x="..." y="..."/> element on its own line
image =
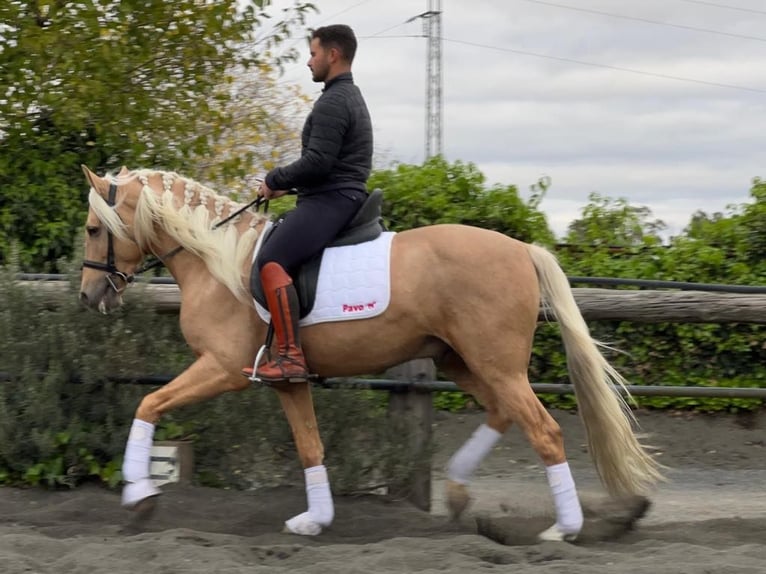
<point x="336" y="143"/>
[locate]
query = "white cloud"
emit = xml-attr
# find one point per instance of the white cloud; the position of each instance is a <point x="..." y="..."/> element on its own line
<point x="674" y="146"/>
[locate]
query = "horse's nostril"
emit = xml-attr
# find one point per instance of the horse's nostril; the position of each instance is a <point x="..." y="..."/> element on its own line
<point x="83" y="298"/>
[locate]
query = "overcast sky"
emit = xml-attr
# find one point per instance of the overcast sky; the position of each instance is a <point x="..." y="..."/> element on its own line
<point x="534" y="88"/>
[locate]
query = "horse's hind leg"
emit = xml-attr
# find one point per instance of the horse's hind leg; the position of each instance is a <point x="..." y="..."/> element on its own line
<point x="464" y="462"/>
<point x="508" y="398"/>
<point x="518" y="400"/>
<point x="498" y="377"/>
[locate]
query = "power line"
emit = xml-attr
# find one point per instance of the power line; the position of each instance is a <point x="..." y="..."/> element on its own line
<point x="648" y="21"/>
<point x="610" y="67"/>
<point x="725" y="6"/>
<point x="342" y="11"/>
<point x="325" y="19"/>
<point x="377" y="34"/>
<point x="592" y="64"/>
<point x="286" y="79"/>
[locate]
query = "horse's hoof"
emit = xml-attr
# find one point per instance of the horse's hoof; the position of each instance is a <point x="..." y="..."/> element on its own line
<point x="636" y="508"/>
<point x="302" y="525"/>
<point x="458" y="499"/>
<point x="611" y="519"/>
<point x="133" y="493"/>
<point x="625" y="511"/>
<point x="145" y="508"/>
<point x="554" y="534"/>
<point x="142" y="513"/>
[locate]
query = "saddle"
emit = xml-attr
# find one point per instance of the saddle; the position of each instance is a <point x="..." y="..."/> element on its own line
<point x="366" y="225"/>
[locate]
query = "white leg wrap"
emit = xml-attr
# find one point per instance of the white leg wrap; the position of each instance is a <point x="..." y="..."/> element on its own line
<point x="569" y="518"/>
<point x="321" y="508"/>
<point x="135" y="492"/>
<point x="135" y="466"/>
<point x="466" y="460"/>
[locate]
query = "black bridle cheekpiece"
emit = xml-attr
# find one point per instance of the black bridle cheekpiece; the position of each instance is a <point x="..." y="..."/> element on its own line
<point x="109" y="267"/>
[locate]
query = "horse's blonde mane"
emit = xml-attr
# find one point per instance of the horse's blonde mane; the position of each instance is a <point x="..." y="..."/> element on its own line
<point x="187" y="211"/>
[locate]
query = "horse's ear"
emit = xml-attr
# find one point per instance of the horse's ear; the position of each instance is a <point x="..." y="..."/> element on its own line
<point x="123" y="171"/>
<point x="97" y="183"/>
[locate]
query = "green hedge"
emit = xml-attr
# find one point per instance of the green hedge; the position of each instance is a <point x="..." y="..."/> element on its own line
<point x="58" y="432"/>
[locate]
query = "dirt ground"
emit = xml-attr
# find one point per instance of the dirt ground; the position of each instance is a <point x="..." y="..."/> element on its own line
<point x="709" y="517"/>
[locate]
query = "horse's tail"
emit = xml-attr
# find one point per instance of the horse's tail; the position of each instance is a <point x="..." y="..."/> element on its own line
<point x="623" y="465"/>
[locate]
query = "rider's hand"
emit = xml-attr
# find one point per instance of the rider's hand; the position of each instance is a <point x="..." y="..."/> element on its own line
<point x="266" y="192"/>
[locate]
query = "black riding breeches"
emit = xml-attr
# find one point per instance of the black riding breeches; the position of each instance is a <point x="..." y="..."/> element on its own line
<point x="316" y="220"/>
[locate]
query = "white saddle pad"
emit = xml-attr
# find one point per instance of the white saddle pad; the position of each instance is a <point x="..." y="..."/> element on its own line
<point x="354" y="282"/>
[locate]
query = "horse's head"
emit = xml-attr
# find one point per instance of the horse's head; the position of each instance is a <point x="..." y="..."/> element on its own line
<point x="111" y="253"/>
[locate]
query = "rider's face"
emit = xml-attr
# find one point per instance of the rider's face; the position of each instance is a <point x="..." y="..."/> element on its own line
<point x="319" y="62"/>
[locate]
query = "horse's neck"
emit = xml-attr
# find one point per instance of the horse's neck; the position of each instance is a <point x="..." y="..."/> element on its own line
<point x="189" y="269"/>
<point x="186" y="268"/>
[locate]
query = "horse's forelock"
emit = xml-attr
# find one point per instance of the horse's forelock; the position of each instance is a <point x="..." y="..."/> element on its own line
<point x="107" y="214"/>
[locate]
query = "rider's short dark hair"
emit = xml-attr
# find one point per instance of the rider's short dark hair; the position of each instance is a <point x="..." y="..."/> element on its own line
<point x="337" y="36"/>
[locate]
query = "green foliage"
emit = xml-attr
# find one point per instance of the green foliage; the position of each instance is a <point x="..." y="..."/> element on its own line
<point x="243" y="441"/>
<point x="614" y="222"/>
<point x="450" y="401"/>
<point x="716" y="248"/>
<point x="443" y="192"/>
<point x="108" y="84"/>
<point x="43" y="200"/>
<point x="61" y="420"/>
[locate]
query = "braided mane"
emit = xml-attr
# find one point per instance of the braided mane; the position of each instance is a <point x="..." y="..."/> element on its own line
<point x="187" y="211"/>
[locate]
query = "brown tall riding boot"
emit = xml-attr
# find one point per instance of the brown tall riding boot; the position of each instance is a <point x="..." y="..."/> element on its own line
<point x="282" y="300"/>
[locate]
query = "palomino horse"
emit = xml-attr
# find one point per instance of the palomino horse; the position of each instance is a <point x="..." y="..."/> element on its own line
<point x="474" y="313"/>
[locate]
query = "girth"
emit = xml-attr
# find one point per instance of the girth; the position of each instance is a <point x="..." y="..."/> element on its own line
<point x="366" y="225"/>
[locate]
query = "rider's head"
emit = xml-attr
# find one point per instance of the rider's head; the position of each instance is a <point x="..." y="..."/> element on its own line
<point x="332" y="51"/>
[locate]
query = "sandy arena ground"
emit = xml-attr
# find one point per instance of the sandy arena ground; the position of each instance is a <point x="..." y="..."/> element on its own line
<point x="709" y="518"/>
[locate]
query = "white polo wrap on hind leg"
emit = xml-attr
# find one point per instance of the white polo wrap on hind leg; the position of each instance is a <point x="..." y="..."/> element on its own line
<point x="321" y="508"/>
<point x="466" y="460"/>
<point x="569" y="518"/>
<point x="135" y="466"/>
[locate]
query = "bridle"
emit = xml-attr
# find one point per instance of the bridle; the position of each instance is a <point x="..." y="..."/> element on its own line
<point x="113" y="274"/>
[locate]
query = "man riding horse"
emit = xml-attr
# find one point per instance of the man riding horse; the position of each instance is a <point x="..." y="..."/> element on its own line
<point x="330" y="178"/>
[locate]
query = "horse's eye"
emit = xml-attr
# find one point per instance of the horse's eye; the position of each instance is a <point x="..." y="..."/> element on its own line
<point x="92" y="230"/>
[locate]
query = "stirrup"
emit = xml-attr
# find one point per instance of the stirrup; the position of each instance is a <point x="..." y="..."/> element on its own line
<point x="279" y="363"/>
<point x="253" y="377"/>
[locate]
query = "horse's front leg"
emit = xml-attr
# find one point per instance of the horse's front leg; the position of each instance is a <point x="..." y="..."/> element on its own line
<point x="204" y="379"/>
<point x="299" y="410"/>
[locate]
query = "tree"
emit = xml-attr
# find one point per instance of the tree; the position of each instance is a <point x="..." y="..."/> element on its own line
<point x="614" y="222"/>
<point x="440" y="192"/>
<point x="727" y="246"/>
<point x="754" y="222"/>
<point x="110" y="83"/>
<point x="262" y="130"/>
<point x="612" y="238"/>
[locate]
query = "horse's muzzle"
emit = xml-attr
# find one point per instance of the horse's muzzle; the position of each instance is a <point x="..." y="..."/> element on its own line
<point x="102" y="299"/>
